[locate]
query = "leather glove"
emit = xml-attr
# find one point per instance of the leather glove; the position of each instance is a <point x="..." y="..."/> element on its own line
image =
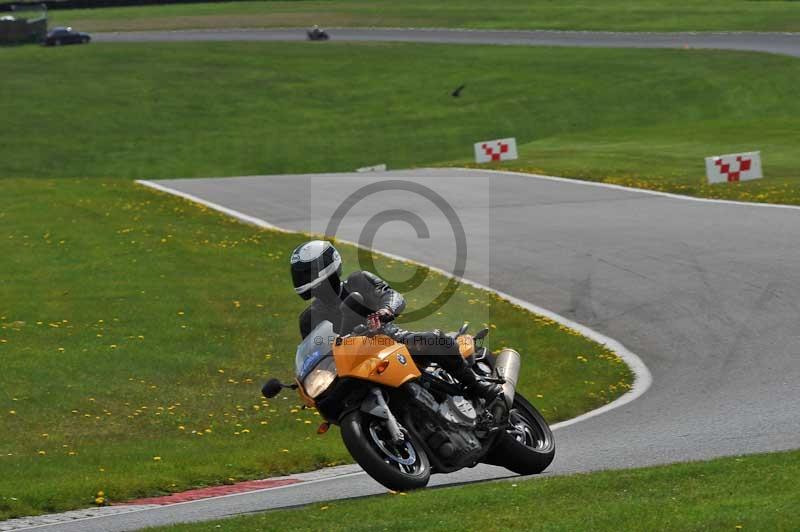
<point x="375" y="319"/>
<point x="385" y="315"/>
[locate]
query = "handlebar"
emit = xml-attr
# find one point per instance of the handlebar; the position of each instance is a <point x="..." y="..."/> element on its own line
<point x="359" y="330"/>
<point x="364" y="330"/>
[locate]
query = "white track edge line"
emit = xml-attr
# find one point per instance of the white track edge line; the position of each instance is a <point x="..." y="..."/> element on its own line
<point x="578" y="181"/>
<point x="252" y="220"/>
<point x="642" y="376"/>
<point x="642" y="381"/>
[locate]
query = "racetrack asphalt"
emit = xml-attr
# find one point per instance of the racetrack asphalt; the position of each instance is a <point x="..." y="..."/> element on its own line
<point x="706" y="293"/>
<point x="779" y="43"/>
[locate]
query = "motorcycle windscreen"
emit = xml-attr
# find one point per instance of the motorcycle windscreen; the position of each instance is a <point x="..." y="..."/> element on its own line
<point x="317" y="345"/>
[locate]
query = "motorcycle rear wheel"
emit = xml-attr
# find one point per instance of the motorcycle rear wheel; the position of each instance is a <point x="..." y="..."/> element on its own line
<point x="400" y="468"/>
<point x="527" y="448"/>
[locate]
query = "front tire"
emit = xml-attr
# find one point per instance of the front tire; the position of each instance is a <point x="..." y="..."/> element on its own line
<point x="528" y="447"/>
<point x="399" y="468"/>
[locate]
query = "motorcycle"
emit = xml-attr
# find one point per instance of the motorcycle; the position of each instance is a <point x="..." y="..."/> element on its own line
<point x="317" y="35"/>
<point x="402" y="422"/>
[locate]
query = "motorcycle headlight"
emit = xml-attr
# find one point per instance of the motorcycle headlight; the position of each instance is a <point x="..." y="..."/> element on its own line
<point x="318" y="380"/>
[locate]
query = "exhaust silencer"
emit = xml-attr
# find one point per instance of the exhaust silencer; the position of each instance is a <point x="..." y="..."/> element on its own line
<point x="507" y="364"/>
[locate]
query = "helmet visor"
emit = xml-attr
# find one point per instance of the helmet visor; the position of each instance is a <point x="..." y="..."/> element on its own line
<point x="304" y="273"/>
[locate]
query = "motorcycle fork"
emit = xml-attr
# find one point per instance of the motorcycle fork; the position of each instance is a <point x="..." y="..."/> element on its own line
<point x="375" y="404"/>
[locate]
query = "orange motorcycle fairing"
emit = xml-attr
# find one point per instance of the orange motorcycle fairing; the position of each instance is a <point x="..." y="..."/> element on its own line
<point x="377" y="359"/>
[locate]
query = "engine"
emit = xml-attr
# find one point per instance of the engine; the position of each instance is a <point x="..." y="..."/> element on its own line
<point x="448" y="427"/>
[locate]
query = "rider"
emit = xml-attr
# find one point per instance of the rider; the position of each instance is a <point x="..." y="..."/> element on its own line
<point x="316" y="273"/>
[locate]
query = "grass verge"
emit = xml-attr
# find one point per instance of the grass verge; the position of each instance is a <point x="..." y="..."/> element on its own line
<point x="756" y="492"/>
<point x="638" y="117"/>
<point x="135" y="329"/>
<point x="617" y="15"/>
<point x="127" y="315"/>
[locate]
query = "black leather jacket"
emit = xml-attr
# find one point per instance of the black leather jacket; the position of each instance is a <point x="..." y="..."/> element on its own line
<point x="425" y="347"/>
<point x="376" y="292"/>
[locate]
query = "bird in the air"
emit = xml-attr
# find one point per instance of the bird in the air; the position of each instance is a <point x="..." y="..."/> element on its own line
<point x="456" y="93"/>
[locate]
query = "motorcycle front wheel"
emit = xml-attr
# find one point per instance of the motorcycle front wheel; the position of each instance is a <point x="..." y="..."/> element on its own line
<point x="527" y="446"/>
<point x="400" y="467"/>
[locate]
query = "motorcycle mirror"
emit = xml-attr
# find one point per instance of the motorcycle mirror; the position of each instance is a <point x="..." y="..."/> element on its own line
<point x="481" y="334"/>
<point x="463" y="329"/>
<point x="354" y="301"/>
<point x="353" y="312"/>
<point x="271" y="388"/>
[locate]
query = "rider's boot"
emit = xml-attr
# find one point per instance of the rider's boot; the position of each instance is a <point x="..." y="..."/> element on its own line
<point x="476" y="386"/>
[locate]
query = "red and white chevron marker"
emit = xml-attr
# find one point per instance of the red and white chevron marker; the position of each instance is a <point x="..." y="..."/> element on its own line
<point x="496" y="150"/>
<point x="734" y="167"/>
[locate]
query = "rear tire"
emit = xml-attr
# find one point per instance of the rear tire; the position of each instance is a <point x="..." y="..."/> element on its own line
<point x="529" y="447"/>
<point x="363" y="436"/>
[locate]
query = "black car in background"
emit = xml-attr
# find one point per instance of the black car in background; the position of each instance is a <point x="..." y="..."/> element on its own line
<point x="59" y="36"/>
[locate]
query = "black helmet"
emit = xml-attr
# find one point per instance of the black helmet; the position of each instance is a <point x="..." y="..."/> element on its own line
<point x="313" y="263"/>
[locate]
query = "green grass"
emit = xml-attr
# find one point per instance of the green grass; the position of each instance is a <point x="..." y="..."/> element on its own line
<point x="640" y="117"/>
<point x="82" y="244"/>
<point x="757" y="492"/>
<point x="619" y="15"/>
<point x="132" y="322"/>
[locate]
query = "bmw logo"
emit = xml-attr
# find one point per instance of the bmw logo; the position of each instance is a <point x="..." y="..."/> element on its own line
<point x="401" y="359"/>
